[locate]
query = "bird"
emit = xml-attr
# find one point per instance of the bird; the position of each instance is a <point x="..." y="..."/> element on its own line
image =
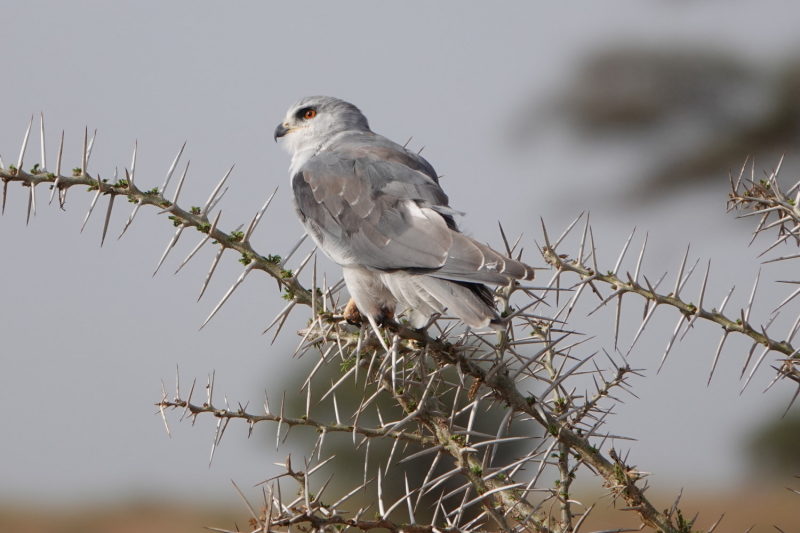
<point x="377" y="209"/>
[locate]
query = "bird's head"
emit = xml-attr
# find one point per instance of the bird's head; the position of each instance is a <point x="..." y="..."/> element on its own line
<point x="314" y="119"/>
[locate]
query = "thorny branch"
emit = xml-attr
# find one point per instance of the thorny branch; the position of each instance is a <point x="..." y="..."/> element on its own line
<point x="564" y="428"/>
<point x="766" y="199"/>
<point x="431" y="399"/>
<point x="195" y="217"/>
<point x="253" y="419"/>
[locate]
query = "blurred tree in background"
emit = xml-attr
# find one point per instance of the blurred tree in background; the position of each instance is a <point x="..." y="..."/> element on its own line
<point x="695" y="112"/>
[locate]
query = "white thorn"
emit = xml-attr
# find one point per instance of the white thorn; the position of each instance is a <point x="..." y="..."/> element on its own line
<point x="24" y="146"/>
<point x="258" y="216"/>
<point x="84" y="159"/>
<point x="172" y="243"/>
<point x="228" y="294"/>
<point x="90" y="146"/>
<point x="58" y="167"/>
<point x="180" y="183"/>
<point x="293" y="250"/>
<point x="133" y="165"/>
<point x="752" y="297"/>
<point x="211" y="271"/>
<point x="172" y="169"/>
<point x="94" y="201"/>
<point x="44" y="155"/>
<point x="622" y="255"/>
<point x="216" y="201"/>
<point x="676" y="290"/>
<point x="130" y="219"/>
<point x="216" y="190"/>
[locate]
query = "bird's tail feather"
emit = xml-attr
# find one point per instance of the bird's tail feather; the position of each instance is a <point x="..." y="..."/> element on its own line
<point x="471" y="261"/>
<point x="464" y="300"/>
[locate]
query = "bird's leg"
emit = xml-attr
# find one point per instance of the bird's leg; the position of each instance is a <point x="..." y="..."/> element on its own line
<point x="351" y="313"/>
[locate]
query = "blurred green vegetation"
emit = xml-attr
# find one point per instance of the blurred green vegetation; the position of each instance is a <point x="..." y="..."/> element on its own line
<point x="774" y="448"/>
<point x="695" y="112"/>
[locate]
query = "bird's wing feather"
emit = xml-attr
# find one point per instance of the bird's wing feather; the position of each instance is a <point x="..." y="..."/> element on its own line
<point x="378" y="148"/>
<point x="370" y="202"/>
<point x="377" y="211"/>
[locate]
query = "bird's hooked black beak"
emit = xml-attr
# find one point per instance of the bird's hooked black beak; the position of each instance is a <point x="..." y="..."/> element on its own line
<point x="280" y="131"/>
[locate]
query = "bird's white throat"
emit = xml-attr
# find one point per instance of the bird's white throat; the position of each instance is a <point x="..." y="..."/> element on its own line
<point x="299" y="158"/>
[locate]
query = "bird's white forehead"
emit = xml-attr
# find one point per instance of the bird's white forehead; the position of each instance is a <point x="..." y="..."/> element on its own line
<point x="329" y="105"/>
<point x="312" y="101"/>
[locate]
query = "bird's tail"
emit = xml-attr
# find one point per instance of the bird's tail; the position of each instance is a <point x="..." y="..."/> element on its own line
<point x="425" y="295"/>
<point x="471" y="261"/>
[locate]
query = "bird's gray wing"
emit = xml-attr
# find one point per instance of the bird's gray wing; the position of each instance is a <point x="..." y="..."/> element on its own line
<point x="370" y="202"/>
<point x="374" y="213"/>
<point x="378" y="148"/>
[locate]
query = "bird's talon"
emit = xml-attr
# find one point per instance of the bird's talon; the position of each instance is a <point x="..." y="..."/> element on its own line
<point x="384" y="316"/>
<point x="351" y="314"/>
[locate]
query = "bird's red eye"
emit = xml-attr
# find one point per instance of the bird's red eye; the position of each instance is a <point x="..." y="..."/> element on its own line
<point x="310" y="113"/>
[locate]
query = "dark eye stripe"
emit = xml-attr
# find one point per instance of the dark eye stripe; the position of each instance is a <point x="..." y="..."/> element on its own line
<point x="306" y="113"/>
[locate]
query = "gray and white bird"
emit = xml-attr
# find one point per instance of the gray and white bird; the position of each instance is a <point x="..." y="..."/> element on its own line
<point x="377" y="210"/>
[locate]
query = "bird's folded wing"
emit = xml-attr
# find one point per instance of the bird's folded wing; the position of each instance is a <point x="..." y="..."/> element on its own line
<point x="377" y="211"/>
<point x="387" y="216"/>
